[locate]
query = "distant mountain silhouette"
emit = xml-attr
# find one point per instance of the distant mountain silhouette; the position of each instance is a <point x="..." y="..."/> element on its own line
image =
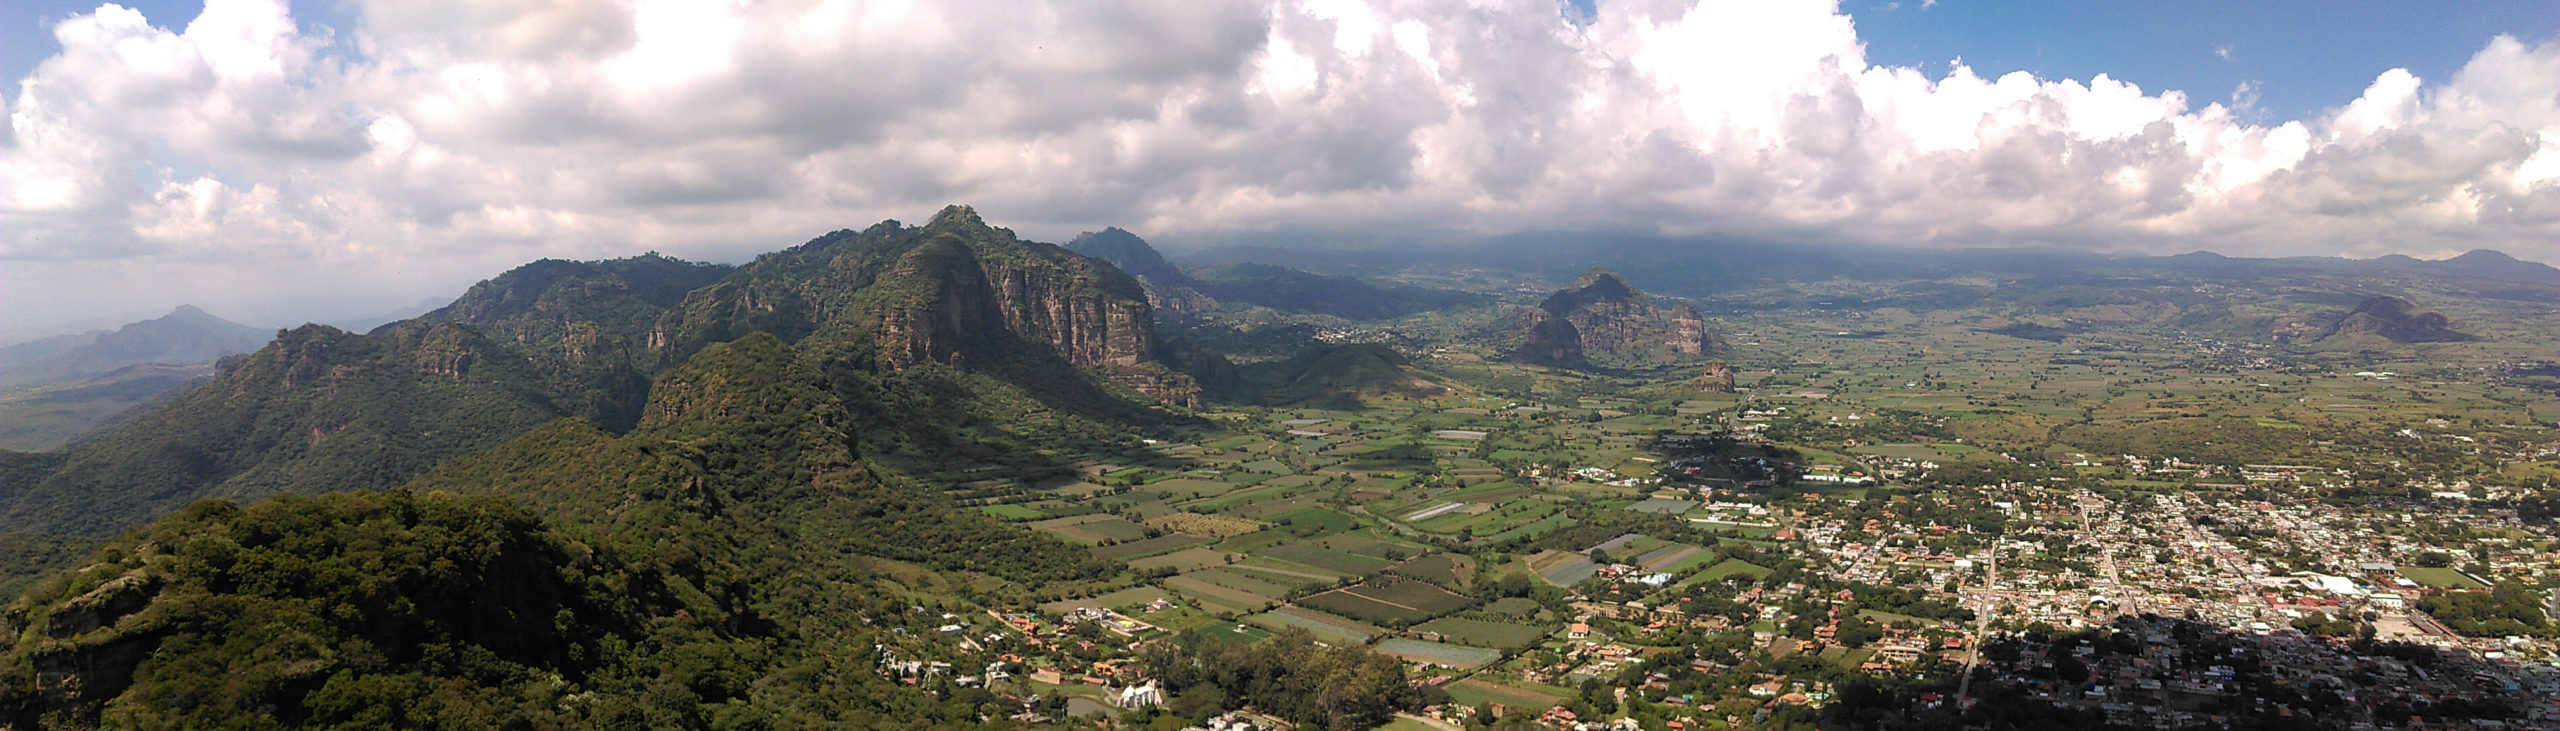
<point x="185" y="336"/>
<point x="2393" y="319"/>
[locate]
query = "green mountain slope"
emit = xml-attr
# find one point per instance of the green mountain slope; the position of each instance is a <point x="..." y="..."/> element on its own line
<point x="947" y="346"/>
<point x="318" y="409"/>
<point x="583" y="325"/>
<point x="710" y="569"/>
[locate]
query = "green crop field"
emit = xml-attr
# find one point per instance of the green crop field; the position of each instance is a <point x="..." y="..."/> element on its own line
<point x="1347" y="563"/>
<point x="1478" y="691"/>
<point x="1148" y="547"/>
<point x="1451" y="570"/>
<point x="1092" y="529"/>
<point x="1012" y="512"/>
<point x="1502" y="635"/>
<point x="1363" y="608"/>
<point x="1325" y="626"/>
<point x="1459" y="656"/>
<point x="1729" y="567"/>
<point x="1188" y="559"/>
<point x="1240" y="582"/>
<point x="1217" y="597"/>
<point x="2440" y="578"/>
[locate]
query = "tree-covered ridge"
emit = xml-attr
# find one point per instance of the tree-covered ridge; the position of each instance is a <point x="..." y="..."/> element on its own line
<point x="409" y="609"/>
<point x="584" y="326"/>
<point x="533" y="303"/>
<point x="349" y="609"/>
<point x="318" y="409"/>
<point x="747" y="432"/>
<point x="712" y="568"/>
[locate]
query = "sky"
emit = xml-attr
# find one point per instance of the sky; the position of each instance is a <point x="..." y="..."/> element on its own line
<point x="276" y="163"/>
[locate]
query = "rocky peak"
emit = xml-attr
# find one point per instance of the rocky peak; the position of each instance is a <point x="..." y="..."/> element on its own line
<point x="1602" y="315"/>
<point x="957" y="215"/>
<point x="952" y="289"/>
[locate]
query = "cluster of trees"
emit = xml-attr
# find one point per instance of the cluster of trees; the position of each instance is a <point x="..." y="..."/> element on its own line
<point x="1291" y="676"/>
<point x="2509" y="609"/>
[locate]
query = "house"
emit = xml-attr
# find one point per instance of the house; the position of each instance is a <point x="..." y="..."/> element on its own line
<point x="1140" y="696"/>
<point x="1577" y="630"/>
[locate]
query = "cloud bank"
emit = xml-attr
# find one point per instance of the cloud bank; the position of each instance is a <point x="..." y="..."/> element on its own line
<point x="247" y="159"/>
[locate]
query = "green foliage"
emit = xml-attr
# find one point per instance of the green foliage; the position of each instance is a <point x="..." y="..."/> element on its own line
<point x="2509" y="609"/>
<point x="1294" y="677"/>
<point x="351" y="608"/>
<point x="318" y="409"/>
<point x="583" y="323"/>
<point x="26" y="556"/>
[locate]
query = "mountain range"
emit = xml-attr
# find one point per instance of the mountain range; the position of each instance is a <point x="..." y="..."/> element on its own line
<point x="651" y="492"/>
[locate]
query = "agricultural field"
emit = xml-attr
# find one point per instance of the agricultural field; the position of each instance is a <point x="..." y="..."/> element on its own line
<point x="1478" y="691"/>
<point x="1147" y="546"/>
<point x="1327" y="626"/>
<point x="1012" y="512"/>
<point x="1188" y="559"/>
<point x="1093" y="529"/>
<point x="1481" y="633"/>
<point x="1310" y="555"/>
<point x="1728" y="567"/>
<point x="1217" y="598"/>
<point x="1457" y="656"/>
<point x="1451" y="570"/>
<point x="1214" y="526"/>
<point x="1393" y="603"/>
<point x="1240" y="581"/>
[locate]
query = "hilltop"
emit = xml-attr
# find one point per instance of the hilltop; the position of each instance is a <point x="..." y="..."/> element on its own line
<point x="1600" y="314"/>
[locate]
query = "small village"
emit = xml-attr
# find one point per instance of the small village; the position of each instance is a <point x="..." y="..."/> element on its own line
<point x="1743" y="589"/>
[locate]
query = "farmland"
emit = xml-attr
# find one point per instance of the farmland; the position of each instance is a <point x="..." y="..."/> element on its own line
<point x="1481" y="633"/>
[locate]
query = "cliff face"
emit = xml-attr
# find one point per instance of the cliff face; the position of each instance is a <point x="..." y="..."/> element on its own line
<point x="1601" y="315"/>
<point x="952" y="290"/>
<point x="1715" y="378"/>
<point x="1690" y="335"/>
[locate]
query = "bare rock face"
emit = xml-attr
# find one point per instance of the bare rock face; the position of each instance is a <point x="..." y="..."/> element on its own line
<point x="1601" y="315"/>
<point x="954" y="290"/>
<point x="1553" y="341"/>
<point x="1716" y="378"/>
<point x="1690" y="335"/>
<point x="967" y="283"/>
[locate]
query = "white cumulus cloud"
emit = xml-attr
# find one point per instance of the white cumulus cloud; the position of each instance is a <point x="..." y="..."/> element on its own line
<point x="432" y="143"/>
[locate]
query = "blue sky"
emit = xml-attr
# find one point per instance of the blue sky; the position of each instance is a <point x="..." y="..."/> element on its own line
<point x="238" y="155"/>
<point x="2301" y="57"/>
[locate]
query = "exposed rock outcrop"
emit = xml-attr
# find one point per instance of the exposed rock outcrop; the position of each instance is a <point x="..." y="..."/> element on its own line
<point x="1602" y="316"/>
<point x="1716" y="378"/>
<point x="954" y="290"/>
